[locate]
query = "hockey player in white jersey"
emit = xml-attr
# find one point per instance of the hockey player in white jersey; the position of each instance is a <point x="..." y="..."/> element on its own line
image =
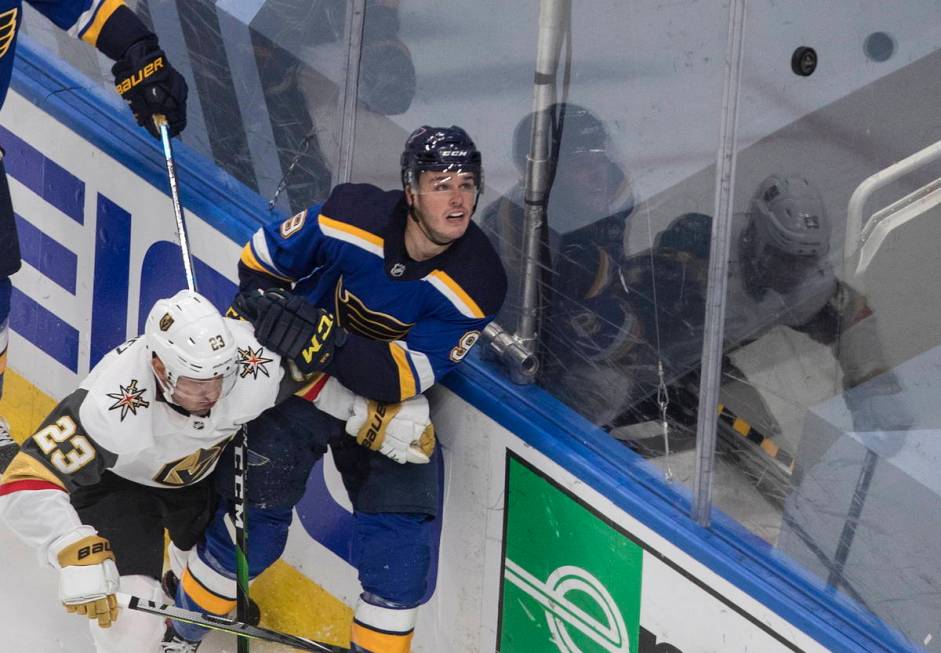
<point x="129" y="453"/>
<point x="652" y="311"/>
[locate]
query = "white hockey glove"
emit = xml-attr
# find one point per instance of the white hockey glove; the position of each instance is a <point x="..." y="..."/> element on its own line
<point x="402" y="432"/>
<point x="88" y="577"/>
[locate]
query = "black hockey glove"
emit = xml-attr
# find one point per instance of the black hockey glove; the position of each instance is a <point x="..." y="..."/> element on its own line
<point x="290" y="326"/>
<point x="147" y="81"/>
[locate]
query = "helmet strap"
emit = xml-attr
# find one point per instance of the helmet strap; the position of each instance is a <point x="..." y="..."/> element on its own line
<point x="168" y="386"/>
<point x="416" y="217"/>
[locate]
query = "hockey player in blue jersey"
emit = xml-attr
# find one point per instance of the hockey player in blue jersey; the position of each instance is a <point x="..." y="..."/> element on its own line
<point x="386" y="291"/>
<point x="143" y="77"/>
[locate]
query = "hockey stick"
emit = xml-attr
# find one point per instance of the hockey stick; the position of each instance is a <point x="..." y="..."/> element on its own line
<point x="241" y="532"/>
<point x="224" y="624"/>
<point x="161" y="123"/>
<point x="241" y="535"/>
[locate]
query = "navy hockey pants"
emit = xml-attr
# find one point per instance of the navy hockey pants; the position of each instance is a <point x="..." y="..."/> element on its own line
<point x="394" y="505"/>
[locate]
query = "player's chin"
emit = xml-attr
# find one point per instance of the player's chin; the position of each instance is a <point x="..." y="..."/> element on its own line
<point x="200" y="408"/>
<point x="453" y="227"/>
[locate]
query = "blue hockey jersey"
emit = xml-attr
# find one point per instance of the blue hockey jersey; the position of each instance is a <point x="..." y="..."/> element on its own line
<point x="411" y="322"/>
<point x="81" y="18"/>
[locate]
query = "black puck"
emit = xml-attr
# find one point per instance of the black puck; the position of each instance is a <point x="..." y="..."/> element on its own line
<point x="804" y="61"/>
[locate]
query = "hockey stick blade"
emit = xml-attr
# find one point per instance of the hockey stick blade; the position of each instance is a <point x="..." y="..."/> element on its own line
<point x="224" y="624"/>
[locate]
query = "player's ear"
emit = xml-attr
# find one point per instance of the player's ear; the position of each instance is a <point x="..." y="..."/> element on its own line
<point x="409" y="196"/>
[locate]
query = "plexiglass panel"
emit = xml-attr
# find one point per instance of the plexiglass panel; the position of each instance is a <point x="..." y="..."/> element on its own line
<point x="827" y="372"/>
<point x="264" y="79"/>
<point x="636" y="111"/>
<point x="827" y="423"/>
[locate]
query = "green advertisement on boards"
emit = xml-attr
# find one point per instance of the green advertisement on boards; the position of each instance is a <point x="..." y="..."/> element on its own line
<point x="571" y="580"/>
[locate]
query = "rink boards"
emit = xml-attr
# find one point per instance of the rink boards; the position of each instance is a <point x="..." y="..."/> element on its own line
<point x="550" y="542"/>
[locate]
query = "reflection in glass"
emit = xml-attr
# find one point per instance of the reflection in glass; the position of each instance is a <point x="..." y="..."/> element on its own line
<point x="828" y="415"/>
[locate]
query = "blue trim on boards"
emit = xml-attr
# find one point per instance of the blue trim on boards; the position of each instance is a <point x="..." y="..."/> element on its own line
<point x="638" y="488"/>
<point x="530" y="413"/>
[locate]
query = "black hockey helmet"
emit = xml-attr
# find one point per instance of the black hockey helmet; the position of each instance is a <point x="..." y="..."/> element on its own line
<point x="690" y="232"/>
<point x="582" y="131"/>
<point x="440" y="148"/>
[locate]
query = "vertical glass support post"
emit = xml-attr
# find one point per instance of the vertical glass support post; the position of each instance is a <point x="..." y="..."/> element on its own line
<point x="553" y="20"/>
<point x="355" y="22"/>
<point x="718" y="270"/>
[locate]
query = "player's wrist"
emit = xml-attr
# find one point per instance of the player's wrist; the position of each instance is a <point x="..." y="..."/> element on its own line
<point x="66" y="540"/>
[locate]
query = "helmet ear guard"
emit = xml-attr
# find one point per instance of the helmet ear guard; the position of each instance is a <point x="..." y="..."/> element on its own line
<point x="192" y="340"/>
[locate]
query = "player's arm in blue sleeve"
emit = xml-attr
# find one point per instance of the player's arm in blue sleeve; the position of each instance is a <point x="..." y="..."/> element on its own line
<point x="282" y="252"/>
<point x="109" y="25"/>
<point x="143" y="76"/>
<point x="398" y="370"/>
<point x="468" y="295"/>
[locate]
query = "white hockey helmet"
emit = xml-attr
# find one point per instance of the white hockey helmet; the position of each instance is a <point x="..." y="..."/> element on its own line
<point x="788" y="236"/>
<point x="192" y="340"/>
<point x="791" y="216"/>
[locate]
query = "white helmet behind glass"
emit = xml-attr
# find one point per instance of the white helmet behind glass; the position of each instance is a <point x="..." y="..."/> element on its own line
<point x="192" y="340"/>
<point x="791" y="216"/>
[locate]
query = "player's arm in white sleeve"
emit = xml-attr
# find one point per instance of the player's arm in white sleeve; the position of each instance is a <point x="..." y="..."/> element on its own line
<point x="401" y="430"/>
<point x="34" y="504"/>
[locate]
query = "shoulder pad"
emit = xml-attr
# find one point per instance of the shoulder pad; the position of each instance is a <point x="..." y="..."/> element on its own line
<point x="259" y="373"/>
<point x="364" y="206"/>
<point x="118" y="410"/>
<point x="478" y="270"/>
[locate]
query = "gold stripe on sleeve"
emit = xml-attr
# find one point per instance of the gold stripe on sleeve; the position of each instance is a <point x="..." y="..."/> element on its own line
<point x="24" y="467"/>
<point x="248" y="259"/>
<point x="406" y="380"/>
<point x="93" y="31"/>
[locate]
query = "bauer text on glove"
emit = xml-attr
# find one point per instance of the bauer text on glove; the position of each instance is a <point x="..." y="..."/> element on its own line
<point x="88" y="579"/>
<point x="402" y="431"/>
<point x="147" y="82"/>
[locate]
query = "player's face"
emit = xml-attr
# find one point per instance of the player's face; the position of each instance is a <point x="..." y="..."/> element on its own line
<point x="443" y="204"/>
<point x="585" y="179"/>
<point x="783" y="272"/>
<point x="197" y="396"/>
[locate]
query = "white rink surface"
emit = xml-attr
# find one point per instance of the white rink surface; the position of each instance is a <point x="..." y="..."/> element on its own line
<point x="33" y="621"/>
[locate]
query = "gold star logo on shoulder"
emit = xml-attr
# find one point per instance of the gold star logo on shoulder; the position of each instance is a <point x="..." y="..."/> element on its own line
<point x="129" y="398"/>
<point x="252" y="362"/>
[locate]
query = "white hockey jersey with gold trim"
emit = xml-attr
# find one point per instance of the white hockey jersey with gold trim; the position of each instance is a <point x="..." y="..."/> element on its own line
<point x="116" y="422"/>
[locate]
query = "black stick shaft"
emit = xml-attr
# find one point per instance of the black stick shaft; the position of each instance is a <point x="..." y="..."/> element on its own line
<point x="224" y="624"/>
<point x="241" y="534"/>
